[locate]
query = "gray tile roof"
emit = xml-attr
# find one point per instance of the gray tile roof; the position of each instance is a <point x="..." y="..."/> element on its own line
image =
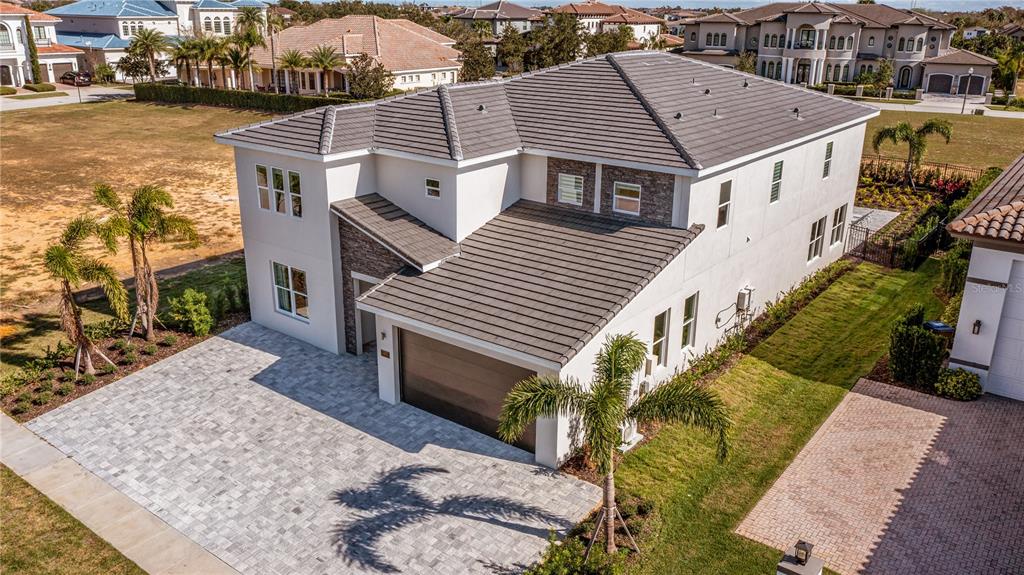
<point x="537" y="279"/>
<point x="998" y="212"/>
<point x="620" y="106"/>
<point x="408" y="237"/>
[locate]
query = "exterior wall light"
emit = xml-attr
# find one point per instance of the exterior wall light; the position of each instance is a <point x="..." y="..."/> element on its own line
<point x="803" y="551"/>
<point x="976" y="327"/>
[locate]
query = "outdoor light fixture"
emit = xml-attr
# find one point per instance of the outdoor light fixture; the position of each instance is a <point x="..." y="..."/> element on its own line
<point x="803" y="551"/>
<point x="976" y="327"/>
<point x="383" y="335"/>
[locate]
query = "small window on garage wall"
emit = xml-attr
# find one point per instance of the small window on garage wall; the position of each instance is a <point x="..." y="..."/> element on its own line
<point x="724" y="202"/>
<point x="659" y="340"/>
<point x="433" y="188"/>
<point x="570" y="189"/>
<point x="263" y="186"/>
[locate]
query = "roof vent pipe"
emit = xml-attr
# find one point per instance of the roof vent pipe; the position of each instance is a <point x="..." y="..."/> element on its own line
<point x="679" y="116"/>
<point x="707" y="92"/>
<point x="482" y="108"/>
<point x="715" y="115"/>
<point x="746" y="84"/>
<point x="796" y="113"/>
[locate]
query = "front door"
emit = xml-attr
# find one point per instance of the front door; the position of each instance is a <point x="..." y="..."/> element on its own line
<point x="803" y="72"/>
<point x="5" y="76"/>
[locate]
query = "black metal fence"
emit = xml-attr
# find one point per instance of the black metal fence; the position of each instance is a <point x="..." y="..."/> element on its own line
<point x="943" y="170"/>
<point x="892" y="250"/>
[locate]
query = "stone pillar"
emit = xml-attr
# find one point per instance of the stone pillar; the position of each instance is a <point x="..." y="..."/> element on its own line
<point x="918" y="93"/>
<point x="988" y="98"/>
<point x="888" y="93"/>
<point x="831" y="89"/>
<point x="860" y="90"/>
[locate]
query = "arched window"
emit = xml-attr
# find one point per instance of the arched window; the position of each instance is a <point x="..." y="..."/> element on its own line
<point x="828" y="71"/>
<point x="871" y="68"/>
<point x="901" y="45"/>
<point x="920" y="44"/>
<point x="775" y="40"/>
<point x="835" y="74"/>
<point x="862" y="68"/>
<point x="831" y="42"/>
<point x="693" y="36"/>
<point x="208" y="24"/>
<point x="5" y="37"/>
<point x="133" y="28"/>
<point x="842" y="43"/>
<point x="216" y="25"/>
<point x="707" y="41"/>
<point x="227" y="25"/>
<point x="871" y="41"/>
<point x="766" y="40"/>
<point x="124" y="29"/>
<point x="764" y="68"/>
<point x="846" y="72"/>
<point x="778" y="71"/>
<point x="771" y="69"/>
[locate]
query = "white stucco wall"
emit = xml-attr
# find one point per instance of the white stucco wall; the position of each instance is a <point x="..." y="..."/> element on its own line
<point x="402" y="181"/>
<point x="483" y="191"/>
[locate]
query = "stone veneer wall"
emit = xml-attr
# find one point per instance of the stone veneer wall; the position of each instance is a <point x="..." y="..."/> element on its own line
<point x="657" y="193"/>
<point x="362" y="254"/>
<point x="575" y="168"/>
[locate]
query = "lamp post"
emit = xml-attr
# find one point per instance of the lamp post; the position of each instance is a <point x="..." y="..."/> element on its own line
<point x="970" y="77"/>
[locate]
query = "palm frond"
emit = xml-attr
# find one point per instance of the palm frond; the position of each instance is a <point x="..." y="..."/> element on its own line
<point x="895" y="133"/>
<point x="107" y="197"/>
<point x="59" y="261"/>
<point x="177" y="227"/>
<point x="620" y="357"/>
<point x="679" y="400"/>
<point x="77" y="231"/>
<point x="937" y="126"/>
<point x="538" y="396"/>
<point x="101" y="273"/>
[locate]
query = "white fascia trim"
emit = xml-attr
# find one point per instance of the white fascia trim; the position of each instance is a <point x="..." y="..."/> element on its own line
<point x="521" y="359"/>
<point x="416" y="157"/>
<point x="286" y="152"/>
<point x="612" y="162"/>
<point x="488" y="158"/>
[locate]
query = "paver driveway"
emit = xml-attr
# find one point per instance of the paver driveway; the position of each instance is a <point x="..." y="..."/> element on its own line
<point x="898" y="482"/>
<point x="279" y="458"/>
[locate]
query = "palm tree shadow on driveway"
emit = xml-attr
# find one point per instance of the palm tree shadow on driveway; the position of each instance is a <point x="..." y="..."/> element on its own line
<point x="393" y="502"/>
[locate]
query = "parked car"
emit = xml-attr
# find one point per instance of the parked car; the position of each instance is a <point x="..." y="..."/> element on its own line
<point x="76" y="78"/>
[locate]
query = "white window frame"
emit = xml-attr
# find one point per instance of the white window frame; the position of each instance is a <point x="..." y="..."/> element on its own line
<point x="615" y="198"/>
<point x="776" y="189"/>
<point x="428" y="188"/>
<point x="688" y="333"/>
<point x="264" y="190"/>
<point x="838" y="225"/>
<point x="725" y="188"/>
<point x="826" y="169"/>
<point x="817" y="242"/>
<point x="294" y="197"/>
<point x="289" y="199"/>
<point x="290" y="291"/>
<point x="573" y="185"/>
<point x="659" y="346"/>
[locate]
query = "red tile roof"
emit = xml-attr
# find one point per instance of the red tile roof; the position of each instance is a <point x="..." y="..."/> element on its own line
<point x="998" y="212"/>
<point x="33" y="16"/>
<point x="57" y="49"/>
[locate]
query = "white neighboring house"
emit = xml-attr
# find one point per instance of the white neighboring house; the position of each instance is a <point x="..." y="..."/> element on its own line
<point x="15" y="64"/>
<point x="973" y="32"/>
<point x="990" y="331"/>
<point x="596" y="16"/>
<point x="500" y="15"/>
<point x="474" y="234"/>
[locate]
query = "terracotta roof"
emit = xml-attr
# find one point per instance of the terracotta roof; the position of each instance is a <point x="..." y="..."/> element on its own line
<point x="963" y="57"/>
<point x="399" y="45"/>
<point x="671" y="40"/>
<point x="998" y="212"/>
<point x="648" y="107"/>
<point x="593" y="9"/>
<point x="57" y="49"/>
<point x="538" y="279"/>
<point x="631" y="16"/>
<point x="813" y="8"/>
<point x="500" y="10"/>
<point x="723" y="18"/>
<point x="406" y="236"/>
<point x="33" y="16"/>
<point x="872" y="15"/>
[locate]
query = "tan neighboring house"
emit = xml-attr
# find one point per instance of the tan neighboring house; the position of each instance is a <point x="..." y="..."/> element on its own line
<point x="416" y="56"/>
<point x="1015" y="31"/>
<point x="818" y="42"/>
<point x="599" y="17"/>
<point x="15" y="64"/>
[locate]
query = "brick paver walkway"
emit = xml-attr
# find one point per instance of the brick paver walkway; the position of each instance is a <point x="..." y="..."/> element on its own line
<point x="901" y="482"/>
<point x="279" y="458"/>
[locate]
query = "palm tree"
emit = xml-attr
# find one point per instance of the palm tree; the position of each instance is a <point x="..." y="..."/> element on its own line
<point x="249" y="34"/>
<point x="275" y="23"/>
<point x="1011" y="66"/>
<point x="324" y="58"/>
<point x="208" y="49"/>
<point x="182" y="54"/>
<point x="238" y="60"/>
<point x="603" y="409"/>
<point x="143" y="220"/>
<point x="67" y="262"/>
<point x="291" y="60"/>
<point x="916" y="140"/>
<point x="149" y="43"/>
<point x="223" y="61"/>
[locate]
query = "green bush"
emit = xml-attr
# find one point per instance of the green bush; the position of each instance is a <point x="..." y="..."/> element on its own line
<point x="958" y="384"/>
<point x="189" y="312"/>
<point x="129" y="358"/>
<point x="11" y="382"/>
<point x="20" y="407"/>
<point x="566" y="558"/>
<point x="88" y="379"/>
<point x="951" y="314"/>
<point x="121" y="345"/>
<point x="169" y="340"/>
<point x="105" y="329"/>
<point x="915" y="354"/>
<point x="219" y="304"/>
<point x="107" y="369"/>
<point x="65" y="389"/>
<point x="7" y="91"/>
<point x="42" y="398"/>
<point x="40" y="87"/>
<point x="233" y="98"/>
<point x="67" y="376"/>
<point x="149" y="349"/>
<point x="104" y="73"/>
<point x="954" y="267"/>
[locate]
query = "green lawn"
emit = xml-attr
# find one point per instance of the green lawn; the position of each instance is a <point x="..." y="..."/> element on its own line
<point x="778" y="396"/>
<point x="38" y="96"/>
<point x="37" y="536"/>
<point x="979" y="141"/>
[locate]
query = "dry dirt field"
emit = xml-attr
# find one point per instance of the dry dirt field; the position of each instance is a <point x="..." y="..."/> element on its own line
<point x="51" y="158"/>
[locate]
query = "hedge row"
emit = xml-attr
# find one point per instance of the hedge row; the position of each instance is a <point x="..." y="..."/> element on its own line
<point x="7" y="91"/>
<point x="40" y="87"/>
<point x="233" y="98"/>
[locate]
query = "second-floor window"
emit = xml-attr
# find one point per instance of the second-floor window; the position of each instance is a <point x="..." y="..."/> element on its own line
<point x="806" y="38"/>
<point x="5" y="37"/>
<point x="208" y="24"/>
<point x="901" y="44"/>
<point x="690" y="320"/>
<point x="626" y="198"/>
<point x="39" y="32"/>
<point x="570" y="189"/>
<point x="831" y="42"/>
<point x="295" y="193"/>
<point x="838" y="225"/>
<point x="263" y="186"/>
<point x="920" y="45"/>
<point x="827" y="168"/>
<point x="273" y="188"/>
<point x="433" y="188"/>
<point x="871" y="41"/>
<point x="776" y="183"/>
<point x="659" y="341"/>
<point x="124" y="29"/>
<point x="817" y="239"/>
<point x="724" y="201"/>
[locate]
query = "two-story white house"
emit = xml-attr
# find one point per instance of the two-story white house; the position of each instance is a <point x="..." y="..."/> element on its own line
<point x="595" y="17"/>
<point x="474" y="234"/>
<point x="15" y="63"/>
<point x="500" y="15"/>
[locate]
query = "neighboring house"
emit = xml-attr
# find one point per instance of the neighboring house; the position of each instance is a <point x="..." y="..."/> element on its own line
<point x="500" y="15"/>
<point x="677" y="20"/>
<point x="816" y="43"/>
<point x="416" y="56"/>
<point x="990" y="331"/>
<point x="15" y="64"/>
<point x="474" y="234"/>
<point x="973" y="32"/>
<point x="1015" y="31"/>
<point x="598" y="17"/>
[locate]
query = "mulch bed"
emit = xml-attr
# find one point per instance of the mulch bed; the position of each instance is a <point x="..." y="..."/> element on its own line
<point x="880" y="373"/>
<point x="109" y="347"/>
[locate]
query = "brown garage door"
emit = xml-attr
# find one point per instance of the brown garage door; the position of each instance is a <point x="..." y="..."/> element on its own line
<point x="975" y="88"/>
<point x="59" y="70"/>
<point x="940" y="84"/>
<point x="465" y="387"/>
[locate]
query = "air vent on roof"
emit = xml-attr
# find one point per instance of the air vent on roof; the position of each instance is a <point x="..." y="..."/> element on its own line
<point x="796" y="113"/>
<point x="482" y="108"/>
<point x="707" y="92"/>
<point x="678" y="116"/>
<point x="715" y="115"/>
<point x="746" y="84"/>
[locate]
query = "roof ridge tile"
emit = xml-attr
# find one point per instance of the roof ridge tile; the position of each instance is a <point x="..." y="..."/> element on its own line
<point x="450" y="128"/>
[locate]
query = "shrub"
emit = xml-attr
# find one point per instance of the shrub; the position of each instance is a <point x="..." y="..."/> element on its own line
<point x="150" y="349"/>
<point x="104" y="73"/>
<point x="958" y="384"/>
<point x="267" y="101"/>
<point x="44" y="386"/>
<point x="88" y="379"/>
<point x="915" y="354"/>
<point x="40" y="87"/>
<point x="105" y="329"/>
<point x="954" y="267"/>
<point x="42" y="398"/>
<point x="65" y="389"/>
<point x="951" y="314"/>
<point x="566" y="558"/>
<point x="7" y="91"/>
<point x="20" y="407"/>
<point x="107" y="369"/>
<point x="219" y="305"/>
<point x="189" y="312"/>
<point x="129" y="358"/>
<point x="169" y="340"/>
<point x="67" y="376"/>
<point x="11" y="382"/>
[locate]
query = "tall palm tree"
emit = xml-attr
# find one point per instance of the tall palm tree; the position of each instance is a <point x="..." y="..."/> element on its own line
<point x="143" y="220"/>
<point x="249" y="34"/>
<point x="149" y="43"/>
<point x="181" y="55"/>
<point x="67" y="262"/>
<point x="208" y="48"/>
<point x="915" y="139"/>
<point x="603" y="409"/>
<point x="1011" y="65"/>
<point x="291" y="60"/>
<point x="223" y="61"/>
<point x="275" y="23"/>
<point x="238" y="60"/>
<point x="325" y="58"/>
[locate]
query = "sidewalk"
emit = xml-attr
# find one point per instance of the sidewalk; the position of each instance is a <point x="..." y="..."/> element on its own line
<point x="946" y="105"/>
<point x="139" y="535"/>
<point x="89" y="94"/>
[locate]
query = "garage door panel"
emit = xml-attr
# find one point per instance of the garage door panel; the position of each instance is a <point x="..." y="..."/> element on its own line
<point x="940" y="84"/>
<point x="457" y="384"/>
